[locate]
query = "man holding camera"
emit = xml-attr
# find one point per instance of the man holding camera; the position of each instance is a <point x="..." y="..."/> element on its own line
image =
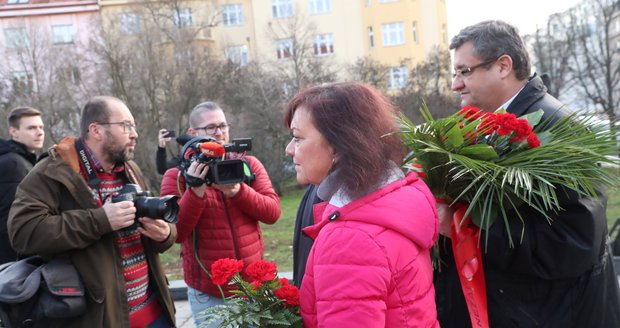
<point x="63" y="207"/>
<point x="217" y="220"/>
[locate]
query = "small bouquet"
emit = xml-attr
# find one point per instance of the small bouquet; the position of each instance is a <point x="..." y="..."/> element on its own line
<point x="496" y="162"/>
<point x="266" y="301"/>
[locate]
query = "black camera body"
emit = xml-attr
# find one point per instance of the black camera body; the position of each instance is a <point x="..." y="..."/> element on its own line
<point x="221" y="171"/>
<point x="165" y="208"/>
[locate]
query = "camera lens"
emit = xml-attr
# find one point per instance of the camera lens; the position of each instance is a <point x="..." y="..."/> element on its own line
<point x="165" y="208"/>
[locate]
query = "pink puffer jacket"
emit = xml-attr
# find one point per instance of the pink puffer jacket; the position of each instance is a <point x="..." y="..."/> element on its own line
<point x="370" y="264"/>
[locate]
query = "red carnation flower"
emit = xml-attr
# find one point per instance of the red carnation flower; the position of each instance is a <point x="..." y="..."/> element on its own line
<point x="532" y="140"/>
<point x="224" y="269"/>
<point x="289" y="293"/>
<point x="471" y="113"/>
<point x="262" y="270"/>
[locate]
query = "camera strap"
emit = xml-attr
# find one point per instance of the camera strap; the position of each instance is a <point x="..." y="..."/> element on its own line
<point x="92" y="178"/>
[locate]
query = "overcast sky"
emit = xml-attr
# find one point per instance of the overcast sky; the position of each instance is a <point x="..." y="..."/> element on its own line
<point x="524" y="14"/>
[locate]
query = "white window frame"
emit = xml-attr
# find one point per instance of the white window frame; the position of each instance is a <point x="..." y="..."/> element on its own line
<point x="284" y="48"/>
<point x="232" y="14"/>
<point x="238" y="55"/>
<point x="371" y="37"/>
<point x="129" y="22"/>
<point x="388" y="1"/>
<point x="63" y="34"/>
<point x="414" y="31"/>
<point x="397" y="77"/>
<point x="10" y="2"/>
<point x="324" y="44"/>
<point x="393" y="34"/>
<point x="282" y="8"/>
<point x="320" y="7"/>
<point x="182" y="17"/>
<point x="16" y="37"/>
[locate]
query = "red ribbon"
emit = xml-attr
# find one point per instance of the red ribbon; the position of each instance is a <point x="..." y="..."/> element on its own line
<point x="468" y="258"/>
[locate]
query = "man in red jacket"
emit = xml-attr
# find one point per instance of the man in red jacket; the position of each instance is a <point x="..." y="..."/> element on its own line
<point x="218" y="221"/>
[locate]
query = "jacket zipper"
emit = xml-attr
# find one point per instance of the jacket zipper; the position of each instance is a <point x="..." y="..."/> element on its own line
<point x="230" y="225"/>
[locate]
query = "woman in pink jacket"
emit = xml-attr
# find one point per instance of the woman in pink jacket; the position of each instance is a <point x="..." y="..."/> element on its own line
<point x="370" y="263"/>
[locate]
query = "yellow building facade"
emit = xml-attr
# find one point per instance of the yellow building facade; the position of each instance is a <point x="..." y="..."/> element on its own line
<point x="392" y="32"/>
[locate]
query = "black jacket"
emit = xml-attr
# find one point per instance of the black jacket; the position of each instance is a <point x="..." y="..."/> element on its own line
<point x="560" y="275"/>
<point x="301" y="242"/>
<point x="15" y="162"/>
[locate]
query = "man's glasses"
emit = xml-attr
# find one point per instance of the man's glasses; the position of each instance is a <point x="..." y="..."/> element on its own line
<point x="212" y="128"/>
<point x="128" y="127"/>
<point x="468" y="71"/>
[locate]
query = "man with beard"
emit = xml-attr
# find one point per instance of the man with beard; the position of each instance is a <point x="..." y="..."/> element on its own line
<point x="17" y="157"/>
<point x="63" y="207"/>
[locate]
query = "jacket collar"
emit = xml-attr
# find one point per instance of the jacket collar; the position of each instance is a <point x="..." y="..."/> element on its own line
<point x="531" y="93"/>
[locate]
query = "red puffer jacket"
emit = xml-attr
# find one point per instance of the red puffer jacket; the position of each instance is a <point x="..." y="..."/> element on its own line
<point x="224" y="227"/>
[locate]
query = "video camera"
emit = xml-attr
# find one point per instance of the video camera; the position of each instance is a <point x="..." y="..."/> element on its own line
<point x="165" y="208"/>
<point x="208" y="150"/>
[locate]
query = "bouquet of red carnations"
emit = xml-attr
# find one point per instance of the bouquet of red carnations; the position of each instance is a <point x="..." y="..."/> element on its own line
<point x="496" y="162"/>
<point x="266" y="301"/>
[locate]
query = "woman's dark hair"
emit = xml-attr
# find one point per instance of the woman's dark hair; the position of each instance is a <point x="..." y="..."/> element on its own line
<point x="360" y="124"/>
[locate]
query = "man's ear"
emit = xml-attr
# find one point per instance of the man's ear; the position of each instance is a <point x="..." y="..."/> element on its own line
<point x="95" y="131"/>
<point x="12" y="132"/>
<point x="505" y="65"/>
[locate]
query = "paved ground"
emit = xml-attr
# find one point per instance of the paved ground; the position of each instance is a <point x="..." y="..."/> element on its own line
<point x="184" y="314"/>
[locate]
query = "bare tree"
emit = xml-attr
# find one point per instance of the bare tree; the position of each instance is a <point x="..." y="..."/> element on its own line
<point x="551" y="55"/>
<point x="300" y="64"/>
<point x="159" y="66"/>
<point x="51" y="75"/>
<point x="429" y="83"/>
<point x="595" y="62"/>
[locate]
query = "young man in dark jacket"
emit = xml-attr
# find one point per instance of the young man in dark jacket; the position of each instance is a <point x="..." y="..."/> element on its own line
<point x="64" y="207"/>
<point x="17" y="157"/>
<point x="560" y="274"/>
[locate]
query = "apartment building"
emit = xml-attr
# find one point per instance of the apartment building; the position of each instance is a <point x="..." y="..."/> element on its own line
<point x="392" y="32"/>
<point x="396" y="33"/>
<point x="33" y="29"/>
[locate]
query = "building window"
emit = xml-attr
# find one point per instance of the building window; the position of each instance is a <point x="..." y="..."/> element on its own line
<point x="238" y="55"/>
<point x="284" y="48"/>
<point x="68" y="74"/>
<point x="387" y="1"/>
<point x="414" y="30"/>
<point x="16" y="37"/>
<point x="129" y="23"/>
<point x="368" y="3"/>
<point x="232" y="14"/>
<point x="62" y="34"/>
<point x="22" y="81"/>
<point x="393" y="34"/>
<point x="320" y="6"/>
<point x="182" y="17"/>
<point x="324" y="45"/>
<point x="371" y="37"/>
<point x="282" y="8"/>
<point x="398" y="77"/>
<point x="10" y="2"/>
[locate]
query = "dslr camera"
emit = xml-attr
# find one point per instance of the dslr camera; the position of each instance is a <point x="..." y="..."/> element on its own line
<point x="208" y="150"/>
<point x="165" y="208"/>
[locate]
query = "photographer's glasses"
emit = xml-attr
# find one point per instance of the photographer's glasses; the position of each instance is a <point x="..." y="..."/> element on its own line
<point x="212" y="128"/>
<point x="128" y="127"/>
